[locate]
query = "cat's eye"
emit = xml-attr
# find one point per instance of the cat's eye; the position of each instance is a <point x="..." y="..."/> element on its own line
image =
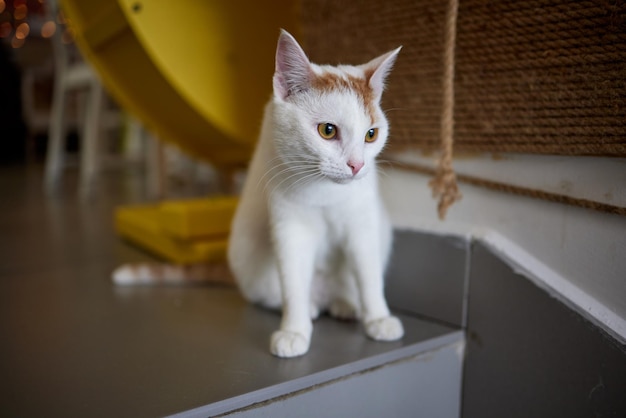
<point x="371" y="135"/>
<point x="327" y="130"/>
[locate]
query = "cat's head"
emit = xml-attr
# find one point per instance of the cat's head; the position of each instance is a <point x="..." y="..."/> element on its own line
<point x="329" y="116"/>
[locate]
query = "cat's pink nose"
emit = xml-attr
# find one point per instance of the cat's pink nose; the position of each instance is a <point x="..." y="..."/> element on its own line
<point x="355" y="166"/>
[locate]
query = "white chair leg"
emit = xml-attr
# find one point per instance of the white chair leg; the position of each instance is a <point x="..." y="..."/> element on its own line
<point x="136" y="140"/>
<point x="156" y="169"/>
<point x="55" y="155"/>
<point x="90" y="147"/>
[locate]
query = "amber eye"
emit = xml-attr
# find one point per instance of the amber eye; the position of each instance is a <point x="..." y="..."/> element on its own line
<point x="371" y="135"/>
<point x="327" y="130"/>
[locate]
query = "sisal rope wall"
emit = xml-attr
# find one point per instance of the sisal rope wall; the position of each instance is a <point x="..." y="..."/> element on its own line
<point x="539" y="76"/>
<point x="542" y="77"/>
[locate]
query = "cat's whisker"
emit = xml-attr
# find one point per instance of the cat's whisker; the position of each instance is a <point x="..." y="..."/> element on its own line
<point x="281" y="160"/>
<point x="269" y="182"/>
<point x="288" y="168"/>
<point x="393" y="109"/>
<point x="300" y="170"/>
<point x="385" y="163"/>
<point x="380" y="166"/>
<point x="309" y="171"/>
<point x="284" y="163"/>
<point x="301" y="183"/>
<point x="382" y="172"/>
<point x="267" y="172"/>
<point x="304" y="180"/>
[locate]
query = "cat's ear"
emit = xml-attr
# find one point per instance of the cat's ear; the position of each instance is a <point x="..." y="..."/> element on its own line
<point x="377" y="70"/>
<point x="293" y="68"/>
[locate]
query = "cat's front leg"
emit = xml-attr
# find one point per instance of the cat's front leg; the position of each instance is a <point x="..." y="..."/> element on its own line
<point x="294" y="245"/>
<point x="367" y="251"/>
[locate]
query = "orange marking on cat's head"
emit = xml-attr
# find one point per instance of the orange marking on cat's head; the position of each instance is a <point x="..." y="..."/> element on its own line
<point x="360" y="86"/>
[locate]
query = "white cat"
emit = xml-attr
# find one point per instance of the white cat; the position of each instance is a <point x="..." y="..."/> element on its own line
<point x="311" y="233"/>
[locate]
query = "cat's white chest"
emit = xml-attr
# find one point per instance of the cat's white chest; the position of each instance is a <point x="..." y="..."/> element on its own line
<point x="332" y="197"/>
<point x="328" y="216"/>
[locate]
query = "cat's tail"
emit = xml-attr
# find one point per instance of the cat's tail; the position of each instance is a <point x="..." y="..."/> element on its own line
<point x="150" y="274"/>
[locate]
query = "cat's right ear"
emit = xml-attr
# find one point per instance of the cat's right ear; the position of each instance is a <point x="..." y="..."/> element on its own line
<point x="293" y="68"/>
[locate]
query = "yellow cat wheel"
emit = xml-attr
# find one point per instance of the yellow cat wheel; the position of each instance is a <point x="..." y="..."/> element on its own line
<point x="197" y="73"/>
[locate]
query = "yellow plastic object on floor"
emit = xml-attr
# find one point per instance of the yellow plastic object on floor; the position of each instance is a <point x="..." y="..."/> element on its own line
<point x="197" y="218"/>
<point x="181" y="232"/>
<point x="197" y="73"/>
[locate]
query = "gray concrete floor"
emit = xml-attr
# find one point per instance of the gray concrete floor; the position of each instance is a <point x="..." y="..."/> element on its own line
<point x="44" y="234"/>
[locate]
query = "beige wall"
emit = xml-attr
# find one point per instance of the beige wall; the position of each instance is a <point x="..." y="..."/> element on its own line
<point x="579" y="253"/>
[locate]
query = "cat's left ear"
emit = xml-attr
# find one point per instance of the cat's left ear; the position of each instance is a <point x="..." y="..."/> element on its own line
<point x="377" y="70"/>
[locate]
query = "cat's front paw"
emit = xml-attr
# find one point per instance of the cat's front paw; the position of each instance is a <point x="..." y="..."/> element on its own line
<point x="288" y="344"/>
<point x="384" y="329"/>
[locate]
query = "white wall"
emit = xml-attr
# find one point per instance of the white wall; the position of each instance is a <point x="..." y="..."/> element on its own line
<point x="578" y="253"/>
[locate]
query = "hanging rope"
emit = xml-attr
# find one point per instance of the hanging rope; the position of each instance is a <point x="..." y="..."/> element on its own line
<point x="444" y="184"/>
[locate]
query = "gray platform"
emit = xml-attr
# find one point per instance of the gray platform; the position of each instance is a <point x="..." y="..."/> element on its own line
<point x="93" y="350"/>
<point x="72" y="344"/>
